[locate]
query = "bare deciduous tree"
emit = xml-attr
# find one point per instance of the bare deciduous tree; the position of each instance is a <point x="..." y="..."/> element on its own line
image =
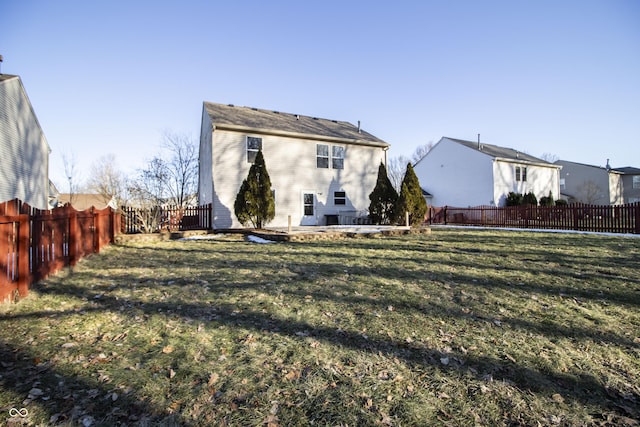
<point x="71" y="172"/>
<point x="397" y="166"/>
<point x="181" y="168"/>
<point x="590" y="193"/>
<point x="107" y="180"/>
<point x="549" y="157"/>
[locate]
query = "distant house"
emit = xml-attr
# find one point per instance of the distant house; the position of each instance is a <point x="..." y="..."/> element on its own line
<point x="24" y="151"/>
<point x="627" y="185"/>
<point x="83" y="201"/>
<point x="465" y="173"/>
<point x="582" y="183"/>
<point x="322" y="171"/>
<point x="598" y="185"/>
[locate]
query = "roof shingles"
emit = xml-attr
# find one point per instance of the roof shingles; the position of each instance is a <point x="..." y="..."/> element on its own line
<point x="275" y="121"/>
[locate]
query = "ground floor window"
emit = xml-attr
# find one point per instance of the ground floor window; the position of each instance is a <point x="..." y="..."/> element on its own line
<point x="339" y="198"/>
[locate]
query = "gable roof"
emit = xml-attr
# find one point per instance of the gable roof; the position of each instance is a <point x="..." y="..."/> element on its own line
<point x="248" y="119"/>
<point x="4" y="77"/>
<point x="503" y="153"/>
<point x="629" y="170"/>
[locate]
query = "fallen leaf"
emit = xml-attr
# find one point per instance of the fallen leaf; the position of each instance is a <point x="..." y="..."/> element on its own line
<point x="292" y="375"/>
<point x="213" y="378"/>
<point x="272" y="421"/>
<point x="168" y="349"/>
<point x="444" y="360"/>
<point x="172" y="373"/>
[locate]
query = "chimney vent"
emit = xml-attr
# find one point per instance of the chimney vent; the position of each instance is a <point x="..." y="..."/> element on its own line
<point x="1" y="64"/>
<point x="359" y="130"/>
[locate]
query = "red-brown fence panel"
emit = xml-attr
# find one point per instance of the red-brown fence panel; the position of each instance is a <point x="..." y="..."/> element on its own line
<point x="35" y="243"/>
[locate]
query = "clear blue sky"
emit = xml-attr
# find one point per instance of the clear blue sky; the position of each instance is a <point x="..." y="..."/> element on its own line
<point x="559" y="77"/>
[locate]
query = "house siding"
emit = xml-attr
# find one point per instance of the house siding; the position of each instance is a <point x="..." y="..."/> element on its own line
<point x="629" y="194"/>
<point x="24" y="152"/>
<point x="587" y="184"/>
<point x="456" y="176"/>
<point x="291" y="163"/>
<point x="541" y="181"/>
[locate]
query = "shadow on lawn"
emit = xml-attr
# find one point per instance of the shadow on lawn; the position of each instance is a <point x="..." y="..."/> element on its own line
<point x="582" y="388"/>
<point x="69" y="399"/>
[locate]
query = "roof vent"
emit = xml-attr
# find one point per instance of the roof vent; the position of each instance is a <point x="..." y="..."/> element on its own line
<point x="297" y="116"/>
<point x="1" y="64"/>
<point x="230" y="105"/>
<point x="359" y="130"/>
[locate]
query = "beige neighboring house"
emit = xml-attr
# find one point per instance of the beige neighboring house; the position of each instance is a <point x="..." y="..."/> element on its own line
<point x="464" y="173"/>
<point x="83" y="201"/>
<point x="24" y="151"/>
<point x="626" y="184"/>
<point x="322" y="171"/>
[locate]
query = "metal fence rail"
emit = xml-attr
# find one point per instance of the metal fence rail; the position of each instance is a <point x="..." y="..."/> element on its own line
<point x="581" y="217"/>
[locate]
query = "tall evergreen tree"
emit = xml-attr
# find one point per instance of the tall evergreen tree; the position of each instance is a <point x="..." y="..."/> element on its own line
<point x="383" y="198"/>
<point x="411" y="199"/>
<point x="254" y="202"/>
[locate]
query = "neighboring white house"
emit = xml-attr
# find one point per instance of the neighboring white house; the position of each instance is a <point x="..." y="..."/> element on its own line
<point x="321" y="170"/>
<point x="24" y="151"/>
<point x="466" y="173"/>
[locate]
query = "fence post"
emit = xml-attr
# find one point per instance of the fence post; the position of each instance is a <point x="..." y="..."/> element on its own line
<point x="637" y="212"/>
<point x="445" y="215"/>
<point x="73" y="236"/>
<point x="24" y="276"/>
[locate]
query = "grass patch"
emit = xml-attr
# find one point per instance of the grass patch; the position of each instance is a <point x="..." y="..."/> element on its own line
<point x="460" y="327"/>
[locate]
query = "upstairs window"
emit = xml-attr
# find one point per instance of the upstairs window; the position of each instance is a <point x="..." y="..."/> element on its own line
<point x="636" y="181"/>
<point x="339" y="198"/>
<point x="322" y="156"/>
<point x="521" y="174"/>
<point x="337" y="157"/>
<point x="254" y="144"/>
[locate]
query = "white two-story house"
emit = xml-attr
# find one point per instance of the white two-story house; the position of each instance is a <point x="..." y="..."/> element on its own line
<point x="24" y="151"/>
<point x="466" y="173"/>
<point x="321" y="170"/>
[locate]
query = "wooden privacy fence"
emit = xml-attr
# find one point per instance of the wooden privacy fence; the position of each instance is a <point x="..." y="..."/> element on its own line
<point x="35" y="243"/>
<point x="581" y="217"/>
<point x="165" y="218"/>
